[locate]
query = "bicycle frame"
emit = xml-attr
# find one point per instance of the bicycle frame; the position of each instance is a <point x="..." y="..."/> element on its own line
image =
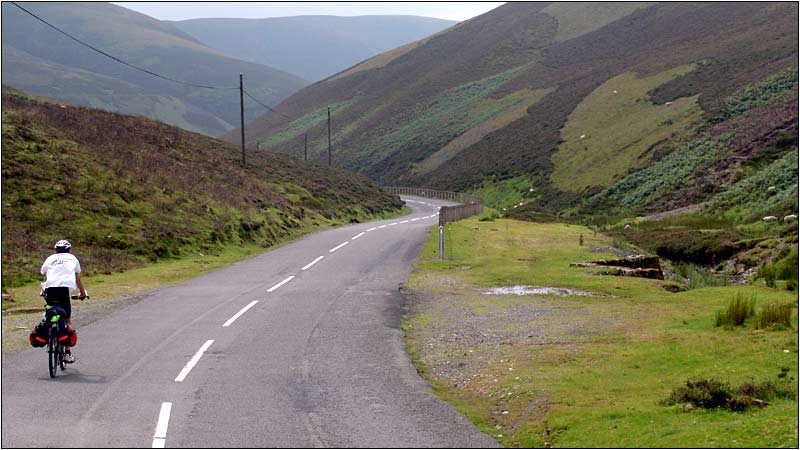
<point x="55" y="350"/>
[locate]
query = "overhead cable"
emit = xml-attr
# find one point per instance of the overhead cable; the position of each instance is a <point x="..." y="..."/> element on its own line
<point x="120" y="60"/>
<point x="265" y="106"/>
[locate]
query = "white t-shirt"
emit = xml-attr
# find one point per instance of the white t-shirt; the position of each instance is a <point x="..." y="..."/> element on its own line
<point x="60" y="269"/>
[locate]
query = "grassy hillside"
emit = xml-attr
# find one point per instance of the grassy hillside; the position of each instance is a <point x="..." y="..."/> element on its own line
<point x="129" y="191"/>
<point x="579" y="96"/>
<point x="42" y="61"/>
<point x="311" y="47"/>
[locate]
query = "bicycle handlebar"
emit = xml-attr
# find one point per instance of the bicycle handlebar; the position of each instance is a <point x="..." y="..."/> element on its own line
<point x="74" y="297"/>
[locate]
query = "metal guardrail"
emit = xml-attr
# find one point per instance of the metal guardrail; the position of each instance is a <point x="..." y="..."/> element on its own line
<point x="470" y="204"/>
<point x="458" y="197"/>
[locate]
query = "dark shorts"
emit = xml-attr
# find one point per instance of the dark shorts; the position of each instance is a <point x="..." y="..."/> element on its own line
<point x="59" y="296"/>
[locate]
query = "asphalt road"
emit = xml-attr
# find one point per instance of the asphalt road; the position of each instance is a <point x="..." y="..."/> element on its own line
<point x="273" y="351"/>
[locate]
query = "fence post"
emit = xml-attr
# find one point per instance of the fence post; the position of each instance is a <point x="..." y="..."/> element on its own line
<point x="441" y="242"/>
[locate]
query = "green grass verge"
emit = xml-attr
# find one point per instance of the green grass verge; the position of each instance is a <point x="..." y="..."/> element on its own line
<point x="582" y="371"/>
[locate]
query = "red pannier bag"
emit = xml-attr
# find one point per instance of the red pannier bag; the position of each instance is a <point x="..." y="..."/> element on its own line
<point x="38" y="337"/>
<point x="68" y="336"/>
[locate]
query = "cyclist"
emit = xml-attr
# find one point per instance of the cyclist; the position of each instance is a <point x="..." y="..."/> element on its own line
<point x="62" y="274"/>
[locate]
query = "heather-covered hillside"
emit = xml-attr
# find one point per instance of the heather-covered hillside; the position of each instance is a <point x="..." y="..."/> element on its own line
<point x="129" y="190"/>
<point x="560" y="105"/>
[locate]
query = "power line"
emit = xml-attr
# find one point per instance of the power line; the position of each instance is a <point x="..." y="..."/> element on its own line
<point x="265" y="106"/>
<point x="118" y="59"/>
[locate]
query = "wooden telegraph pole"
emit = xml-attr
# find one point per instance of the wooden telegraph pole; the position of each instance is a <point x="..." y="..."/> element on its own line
<point x="329" y="136"/>
<point x="241" y="111"/>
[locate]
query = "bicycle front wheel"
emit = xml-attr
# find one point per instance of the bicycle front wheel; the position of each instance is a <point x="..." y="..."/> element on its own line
<point x="61" y="353"/>
<point x="52" y="356"/>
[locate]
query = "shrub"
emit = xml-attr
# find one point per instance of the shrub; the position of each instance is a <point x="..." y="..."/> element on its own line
<point x="710" y="394"/>
<point x="775" y="315"/>
<point x="738" y="311"/>
<point x="768" y="390"/>
<point x="704" y="393"/>
<point x="489" y="215"/>
<point x="784" y="267"/>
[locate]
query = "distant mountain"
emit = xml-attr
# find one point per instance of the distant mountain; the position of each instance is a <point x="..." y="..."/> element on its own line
<point x="312" y="47"/>
<point x="42" y="61"/>
<point x="636" y="106"/>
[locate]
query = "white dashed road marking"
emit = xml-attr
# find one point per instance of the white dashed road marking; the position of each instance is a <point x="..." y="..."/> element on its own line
<point x="288" y="279"/>
<point x="188" y="368"/>
<point x="358" y="235"/>
<point x="338" y="247"/>
<point x="160" y="436"/>
<point x="239" y="314"/>
<point x="312" y="263"/>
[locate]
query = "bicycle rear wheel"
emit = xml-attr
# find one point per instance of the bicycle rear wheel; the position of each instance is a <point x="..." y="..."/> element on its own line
<point x="52" y="356"/>
<point x="61" y="353"/>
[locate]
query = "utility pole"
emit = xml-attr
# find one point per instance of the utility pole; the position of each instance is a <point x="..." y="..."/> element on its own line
<point x="241" y="110"/>
<point x="329" y="135"/>
<point x="305" y="149"/>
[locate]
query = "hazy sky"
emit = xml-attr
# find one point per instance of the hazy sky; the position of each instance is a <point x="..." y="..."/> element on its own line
<point x="194" y="10"/>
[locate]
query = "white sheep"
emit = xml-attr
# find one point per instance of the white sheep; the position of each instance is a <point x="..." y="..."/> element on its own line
<point x="789" y="218"/>
<point x="770" y="219"/>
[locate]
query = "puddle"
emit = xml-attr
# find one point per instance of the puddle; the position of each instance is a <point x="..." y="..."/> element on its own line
<point x="528" y="290"/>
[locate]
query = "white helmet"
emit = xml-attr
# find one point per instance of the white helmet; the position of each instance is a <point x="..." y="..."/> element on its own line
<point x="62" y="246"/>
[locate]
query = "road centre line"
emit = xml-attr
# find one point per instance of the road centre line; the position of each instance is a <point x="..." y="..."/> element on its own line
<point x="188" y="368"/>
<point x="288" y="279"/>
<point x="160" y="436"/>
<point x="239" y="314"/>
<point x="404" y="221"/>
<point x="373" y="229"/>
<point x="415" y="219"/>
<point x="338" y="247"/>
<point x="392" y="224"/>
<point x="312" y="263"/>
<point x="358" y="235"/>
<point x="382" y="226"/>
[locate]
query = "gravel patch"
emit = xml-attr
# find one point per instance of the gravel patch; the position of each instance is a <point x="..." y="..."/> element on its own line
<point x="460" y="336"/>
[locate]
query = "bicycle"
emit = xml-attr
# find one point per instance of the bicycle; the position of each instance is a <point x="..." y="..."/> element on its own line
<point x="55" y="347"/>
<point x="55" y="351"/>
